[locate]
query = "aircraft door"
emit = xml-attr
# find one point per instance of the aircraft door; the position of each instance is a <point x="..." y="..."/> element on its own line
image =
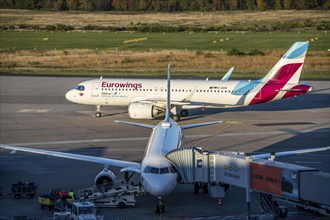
<point x="96" y="89"/>
<point x="156" y="90"/>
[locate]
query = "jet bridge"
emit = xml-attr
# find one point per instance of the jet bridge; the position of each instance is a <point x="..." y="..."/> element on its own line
<point x="197" y="165"/>
<point x="271" y="179"/>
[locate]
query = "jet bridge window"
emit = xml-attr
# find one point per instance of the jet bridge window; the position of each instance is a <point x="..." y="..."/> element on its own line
<point x="80" y="88"/>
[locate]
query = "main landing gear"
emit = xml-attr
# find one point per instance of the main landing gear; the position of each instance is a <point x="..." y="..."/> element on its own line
<point x="199" y="186"/>
<point x="98" y="111"/>
<point x="176" y="117"/>
<point x="184" y="113"/>
<point x="160" y="208"/>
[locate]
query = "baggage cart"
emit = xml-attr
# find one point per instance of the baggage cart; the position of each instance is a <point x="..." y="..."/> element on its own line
<point x="27" y="189"/>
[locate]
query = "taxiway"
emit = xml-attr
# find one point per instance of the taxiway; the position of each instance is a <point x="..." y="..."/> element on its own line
<point x="34" y="113"/>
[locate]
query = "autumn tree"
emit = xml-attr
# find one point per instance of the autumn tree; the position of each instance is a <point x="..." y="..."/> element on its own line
<point x="261" y="5"/>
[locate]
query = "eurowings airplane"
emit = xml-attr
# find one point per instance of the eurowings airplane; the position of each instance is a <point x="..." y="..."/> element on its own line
<point x="158" y="176"/>
<point x="146" y="98"/>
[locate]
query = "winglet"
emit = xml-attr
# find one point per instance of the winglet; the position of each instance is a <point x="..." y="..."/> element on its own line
<point x="226" y="77"/>
<point x="168" y="98"/>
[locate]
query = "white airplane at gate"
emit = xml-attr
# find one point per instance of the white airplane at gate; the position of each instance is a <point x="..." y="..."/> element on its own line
<point x="157" y="174"/>
<point x="146" y="98"/>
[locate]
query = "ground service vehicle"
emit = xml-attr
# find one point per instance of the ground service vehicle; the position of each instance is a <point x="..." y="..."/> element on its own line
<point x="80" y="210"/>
<point x="27" y="189"/>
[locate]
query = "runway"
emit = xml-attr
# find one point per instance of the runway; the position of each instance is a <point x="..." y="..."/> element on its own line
<point x="34" y="113"/>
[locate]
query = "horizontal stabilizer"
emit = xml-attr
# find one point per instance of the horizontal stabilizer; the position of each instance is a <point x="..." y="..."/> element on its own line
<point x="199" y="125"/>
<point x="287" y="153"/>
<point x="136" y="124"/>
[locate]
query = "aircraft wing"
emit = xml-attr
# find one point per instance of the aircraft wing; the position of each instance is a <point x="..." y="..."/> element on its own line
<point x="99" y="160"/>
<point x="286" y="153"/>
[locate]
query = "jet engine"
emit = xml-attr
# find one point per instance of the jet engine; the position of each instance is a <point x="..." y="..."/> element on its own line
<point x="139" y="110"/>
<point x="105" y="178"/>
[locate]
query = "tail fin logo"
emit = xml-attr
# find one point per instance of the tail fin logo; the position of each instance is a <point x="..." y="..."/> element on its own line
<point x="288" y="68"/>
<point x="296" y="51"/>
<point x="286" y="72"/>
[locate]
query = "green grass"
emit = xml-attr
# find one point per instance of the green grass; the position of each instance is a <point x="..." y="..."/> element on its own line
<point x="158" y="41"/>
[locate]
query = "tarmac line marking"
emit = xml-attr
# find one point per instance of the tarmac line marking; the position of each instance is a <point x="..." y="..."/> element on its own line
<point x="187" y="136"/>
<point x="30" y="110"/>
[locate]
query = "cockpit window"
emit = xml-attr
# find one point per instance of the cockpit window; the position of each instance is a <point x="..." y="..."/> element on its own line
<point x="80" y="88"/>
<point x="156" y="170"/>
<point x="164" y="170"/>
<point x="147" y="169"/>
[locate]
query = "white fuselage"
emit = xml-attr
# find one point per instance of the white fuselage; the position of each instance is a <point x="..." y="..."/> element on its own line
<point x="158" y="176"/>
<point x="122" y="92"/>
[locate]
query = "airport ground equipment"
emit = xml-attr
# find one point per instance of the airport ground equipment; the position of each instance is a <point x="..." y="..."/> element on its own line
<point x="265" y="180"/>
<point x="120" y="194"/>
<point x="57" y="199"/>
<point x="24" y="189"/>
<point x="80" y="210"/>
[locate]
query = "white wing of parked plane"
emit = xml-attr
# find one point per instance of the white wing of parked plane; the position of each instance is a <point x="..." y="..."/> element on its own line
<point x="99" y="160"/>
<point x="286" y="153"/>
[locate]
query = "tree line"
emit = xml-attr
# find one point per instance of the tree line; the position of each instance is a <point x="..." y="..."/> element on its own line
<point x="164" y="5"/>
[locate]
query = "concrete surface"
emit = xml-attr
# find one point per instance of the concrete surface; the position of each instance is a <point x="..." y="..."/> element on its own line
<point x="34" y="113"/>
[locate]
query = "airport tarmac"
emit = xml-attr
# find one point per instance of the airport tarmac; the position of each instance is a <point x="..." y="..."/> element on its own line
<point x="34" y="113"/>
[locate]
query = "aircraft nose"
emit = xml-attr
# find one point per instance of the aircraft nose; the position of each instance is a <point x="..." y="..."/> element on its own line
<point x="159" y="185"/>
<point x="70" y="96"/>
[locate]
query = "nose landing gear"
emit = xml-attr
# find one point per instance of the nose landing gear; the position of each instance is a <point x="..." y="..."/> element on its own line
<point x="98" y="111"/>
<point x="160" y="208"/>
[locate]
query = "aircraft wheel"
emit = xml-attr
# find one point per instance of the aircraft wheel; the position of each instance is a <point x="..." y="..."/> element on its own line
<point x="205" y="189"/>
<point x="196" y="188"/>
<point x="176" y="117"/>
<point x="98" y="114"/>
<point x="160" y="208"/>
<point x="121" y="205"/>
<point x="184" y="113"/>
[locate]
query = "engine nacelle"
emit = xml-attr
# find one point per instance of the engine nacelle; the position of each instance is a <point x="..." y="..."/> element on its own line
<point x="139" y="110"/>
<point x="105" y="178"/>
